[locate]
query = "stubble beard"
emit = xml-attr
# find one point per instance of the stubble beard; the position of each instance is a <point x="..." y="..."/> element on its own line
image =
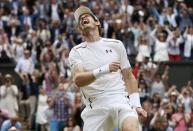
<point x="86" y="31"/>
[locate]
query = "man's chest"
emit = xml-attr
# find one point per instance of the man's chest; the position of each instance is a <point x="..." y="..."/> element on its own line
<point x="25" y="64"/>
<point x="93" y="58"/>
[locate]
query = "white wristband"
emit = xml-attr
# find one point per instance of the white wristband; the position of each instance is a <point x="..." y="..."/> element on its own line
<point x="101" y="71"/>
<point x="135" y="100"/>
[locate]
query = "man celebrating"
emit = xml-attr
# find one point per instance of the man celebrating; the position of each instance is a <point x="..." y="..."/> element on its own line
<point x="102" y="71"/>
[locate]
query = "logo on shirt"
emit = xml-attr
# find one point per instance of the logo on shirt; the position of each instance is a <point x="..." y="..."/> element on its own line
<point x="108" y="51"/>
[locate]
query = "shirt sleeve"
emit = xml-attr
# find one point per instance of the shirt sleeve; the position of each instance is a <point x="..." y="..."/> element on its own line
<point x="18" y="67"/>
<point x="31" y="69"/>
<point x="15" y="90"/>
<point x="74" y="58"/>
<point x="124" y="62"/>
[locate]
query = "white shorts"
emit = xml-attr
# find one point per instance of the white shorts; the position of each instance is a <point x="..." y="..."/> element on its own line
<point x="106" y="113"/>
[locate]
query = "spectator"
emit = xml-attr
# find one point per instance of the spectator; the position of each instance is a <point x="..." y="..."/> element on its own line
<point x="61" y="108"/>
<point x="144" y="90"/>
<point x="29" y="93"/>
<point x="106" y="24"/>
<point x="159" y="84"/>
<point x="13" y="26"/>
<point x="71" y="125"/>
<point x="47" y="56"/>
<point x="159" y="122"/>
<point x="64" y="64"/>
<point x="26" y="18"/>
<point x="9" y="93"/>
<point x="5" y="48"/>
<point x="42" y="106"/>
<point x="17" y="48"/>
<point x="48" y="113"/>
<point x="161" y="44"/>
<point x="50" y="78"/>
<point x="173" y="95"/>
<point x="54" y="10"/>
<point x="174" y="46"/>
<point x="144" y="49"/>
<point x="188" y="35"/>
<point x="43" y="31"/>
<point x="180" y="119"/>
<point x="147" y="105"/>
<point x="25" y="65"/>
<point x="11" y="123"/>
<point x="4" y="115"/>
<point x="191" y="120"/>
<point x="78" y="108"/>
<point x="185" y="99"/>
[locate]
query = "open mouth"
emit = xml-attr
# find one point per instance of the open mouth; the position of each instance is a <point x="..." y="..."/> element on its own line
<point x="85" y="21"/>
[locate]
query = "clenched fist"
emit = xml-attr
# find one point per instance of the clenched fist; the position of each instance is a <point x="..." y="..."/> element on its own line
<point x="114" y="66"/>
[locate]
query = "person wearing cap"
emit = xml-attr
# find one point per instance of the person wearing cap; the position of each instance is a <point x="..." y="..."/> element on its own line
<point x="8" y="96"/>
<point x="102" y="71"/>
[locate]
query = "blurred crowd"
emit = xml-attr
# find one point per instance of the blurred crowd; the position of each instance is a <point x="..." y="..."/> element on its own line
<point x="37" y="36"/>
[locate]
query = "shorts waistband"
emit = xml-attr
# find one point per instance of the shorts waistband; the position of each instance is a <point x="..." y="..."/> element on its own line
<point x="104" y="100"/>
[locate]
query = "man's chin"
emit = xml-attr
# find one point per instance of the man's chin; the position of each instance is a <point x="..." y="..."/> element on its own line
<point x="86" y="28"/>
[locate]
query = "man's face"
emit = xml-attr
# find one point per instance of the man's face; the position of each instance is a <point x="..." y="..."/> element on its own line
<point x="26" y="54"/>
<point x="8" y="82"/>
<point x="86" y="22"/>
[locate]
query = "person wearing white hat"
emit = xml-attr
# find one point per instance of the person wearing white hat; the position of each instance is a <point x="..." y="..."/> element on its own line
<point x="102" y="71"/>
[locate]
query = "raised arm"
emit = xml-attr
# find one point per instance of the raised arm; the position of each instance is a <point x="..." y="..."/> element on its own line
<point x="170" y="34"/>
<point x="153" y="34"/>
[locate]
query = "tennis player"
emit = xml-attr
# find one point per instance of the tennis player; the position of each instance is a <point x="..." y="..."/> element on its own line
<point x="102" y="71"/>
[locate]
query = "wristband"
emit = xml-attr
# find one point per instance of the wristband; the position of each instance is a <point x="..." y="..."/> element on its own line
<point x="101" y="71"/>
<point x="134" y="100"/>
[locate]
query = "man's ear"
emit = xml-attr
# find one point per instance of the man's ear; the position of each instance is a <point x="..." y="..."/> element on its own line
<point x="98" y="23"/>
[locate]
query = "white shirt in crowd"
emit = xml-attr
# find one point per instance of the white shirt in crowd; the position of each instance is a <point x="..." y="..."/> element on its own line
<point x="174" y="46"/>
<point x="172" y="19"/>
<point x="54" y="14"/>
<point x="8" y="99"/>
<point x="129" y="9"/>
<point x="25" y="66"/>
<point x="42" y="106"/>
<point x="95" y="55"/>
<point x="18" y="51"/>
<point x="161" y="51"/>
<point x="158" y="87"/>
<point x="188" y="44"/>
<point x="161" y="48"/>
<point x="186" y="100"/>
<point x="143" y="51"/>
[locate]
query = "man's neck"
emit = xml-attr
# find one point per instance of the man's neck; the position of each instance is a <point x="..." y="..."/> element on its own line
<point x="92" y="36"/>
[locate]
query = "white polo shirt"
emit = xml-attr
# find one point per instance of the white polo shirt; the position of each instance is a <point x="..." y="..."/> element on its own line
<point x="97" y="54"/>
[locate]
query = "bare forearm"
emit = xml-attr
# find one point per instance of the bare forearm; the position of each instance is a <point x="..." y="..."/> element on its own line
<point x="84" y="78"/>
<point x="131" y="84"/>
<point x="153" y="120"/>
<point x="132" y="87"/>
<point x="130" y="81"/>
